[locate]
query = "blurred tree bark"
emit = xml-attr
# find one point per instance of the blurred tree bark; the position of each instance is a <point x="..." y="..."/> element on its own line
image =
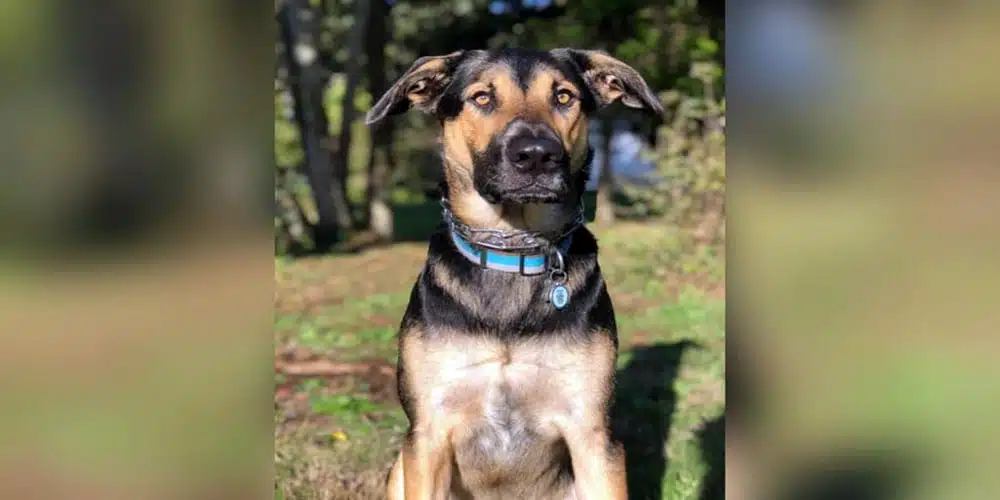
<point x="299" y="26"/>
<point x="124" y="190"/>
<point x="354" y="67"/>
<point x="381" y="162"/>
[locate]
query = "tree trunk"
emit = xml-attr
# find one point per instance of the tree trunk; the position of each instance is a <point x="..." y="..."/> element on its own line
<point x="380" y="167"/>
<point x="354" y="65"/>
<point x="306" y="81"/>
<point x="380" y="159"/>
<point x="605" y="213"/>
<point x="125" y="189"/>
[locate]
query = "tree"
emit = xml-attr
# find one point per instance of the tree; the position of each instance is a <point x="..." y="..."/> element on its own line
<point x="299" y="28"/>
<point x="356" y="46"/>
<point x="380" y="157"/>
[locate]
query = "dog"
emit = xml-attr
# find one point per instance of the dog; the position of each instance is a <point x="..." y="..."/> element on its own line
<point x="509" y="341"/>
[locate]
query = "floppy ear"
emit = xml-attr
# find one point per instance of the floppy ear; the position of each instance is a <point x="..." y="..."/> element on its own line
<point x="420" y="86"/>
<point x="612" y="80"/>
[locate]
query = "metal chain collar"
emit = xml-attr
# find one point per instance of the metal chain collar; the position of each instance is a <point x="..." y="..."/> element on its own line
<point x="515" y="241"/>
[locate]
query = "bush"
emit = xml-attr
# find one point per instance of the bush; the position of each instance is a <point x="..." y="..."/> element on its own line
<point x="691" y="161"/>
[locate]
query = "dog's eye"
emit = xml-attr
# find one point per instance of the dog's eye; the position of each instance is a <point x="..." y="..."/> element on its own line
<point x="482" y="99"/>
<point x="564" y="97"/>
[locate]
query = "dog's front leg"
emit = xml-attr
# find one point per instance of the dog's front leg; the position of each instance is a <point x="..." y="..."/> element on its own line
<point x="426" y="460"/>
<point x="598" y="463"/>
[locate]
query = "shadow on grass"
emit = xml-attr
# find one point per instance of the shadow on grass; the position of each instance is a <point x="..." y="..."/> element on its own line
<point x="863" y="471"/>
<point x="712" y="441"/>
<point x="885" y="474"/>
<point x="643" y="406"/>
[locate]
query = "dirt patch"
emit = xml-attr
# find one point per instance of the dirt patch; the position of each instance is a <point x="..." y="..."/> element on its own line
<point x="628" y="302"/>
<point x="306" y="284"/>
<point x="712" y="287"/>
<point x="303" y="374"/>
<point x="319" y="456"/>
<point x="379" y="376"/>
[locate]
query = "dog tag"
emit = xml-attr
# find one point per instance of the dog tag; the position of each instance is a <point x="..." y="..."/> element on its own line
<point x="559" y="296"/>
<point x="558" y="293"/>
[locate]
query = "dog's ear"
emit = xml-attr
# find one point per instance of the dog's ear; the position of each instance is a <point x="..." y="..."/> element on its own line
<point x="420" y="86"/>
<point x="611" y="80"/>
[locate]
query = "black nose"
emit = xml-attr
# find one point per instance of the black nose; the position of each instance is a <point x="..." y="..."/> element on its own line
<point x="534" y="153"/>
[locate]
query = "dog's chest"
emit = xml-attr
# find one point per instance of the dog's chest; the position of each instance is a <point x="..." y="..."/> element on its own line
<point x="512" y="388"/>
<point x="508" y="401"/>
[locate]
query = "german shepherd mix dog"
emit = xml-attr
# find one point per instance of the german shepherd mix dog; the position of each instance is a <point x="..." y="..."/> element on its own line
<point x="508" y="345"/>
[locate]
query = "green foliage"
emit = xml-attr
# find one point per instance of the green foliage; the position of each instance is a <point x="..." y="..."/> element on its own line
<point x="691" y="157"/>
<point x="343" y="405"/>
<point x="333" y="99"/>
<point x="287" y="149"/>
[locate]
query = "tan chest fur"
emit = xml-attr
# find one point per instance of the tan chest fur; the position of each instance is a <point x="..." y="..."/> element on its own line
<point x="505" y="405"/>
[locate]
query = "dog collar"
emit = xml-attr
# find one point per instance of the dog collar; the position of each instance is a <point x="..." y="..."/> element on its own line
<point x="525" y="264"/>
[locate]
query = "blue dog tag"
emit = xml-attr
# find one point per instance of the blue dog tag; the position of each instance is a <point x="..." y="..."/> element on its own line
<point x="559" y="296"/>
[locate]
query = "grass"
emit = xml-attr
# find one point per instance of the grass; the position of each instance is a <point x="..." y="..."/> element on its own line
<point x="335" y="436"/>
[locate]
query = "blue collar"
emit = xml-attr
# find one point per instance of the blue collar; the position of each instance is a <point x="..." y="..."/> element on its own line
<point x="528" y="264"/>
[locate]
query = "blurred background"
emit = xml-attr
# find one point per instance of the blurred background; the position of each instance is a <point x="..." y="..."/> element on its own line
<point x="355" y="206"/>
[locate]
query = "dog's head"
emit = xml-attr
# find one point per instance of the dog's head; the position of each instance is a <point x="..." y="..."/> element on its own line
<point x="514" y="125"/>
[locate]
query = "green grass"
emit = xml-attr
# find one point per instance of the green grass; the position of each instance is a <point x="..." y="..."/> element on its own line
<point x="336" y="436"/>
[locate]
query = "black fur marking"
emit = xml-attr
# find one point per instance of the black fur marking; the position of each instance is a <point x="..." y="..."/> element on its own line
<point x="583" y="176"/>
<point x="411" y="319"/>
<point x="434" y="307"/>
<point x="522" y="63"/>
<point x="485" y="171"/>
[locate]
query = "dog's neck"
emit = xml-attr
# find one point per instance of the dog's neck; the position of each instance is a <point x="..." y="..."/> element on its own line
<point x="473" y="210"/>
<point x="504" y="226"/>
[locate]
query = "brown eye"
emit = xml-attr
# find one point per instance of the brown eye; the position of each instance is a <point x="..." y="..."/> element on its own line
<point x="564" y="97"/>
<point x="482" y="99"/>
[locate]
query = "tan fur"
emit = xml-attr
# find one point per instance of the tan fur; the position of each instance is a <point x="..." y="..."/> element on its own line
<point x="607" y="85"/>
<point x="554" y="388"/>
<point x="605" y="76"/>
<point x="428" y="74"/>
<point x="572" y="125"/>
